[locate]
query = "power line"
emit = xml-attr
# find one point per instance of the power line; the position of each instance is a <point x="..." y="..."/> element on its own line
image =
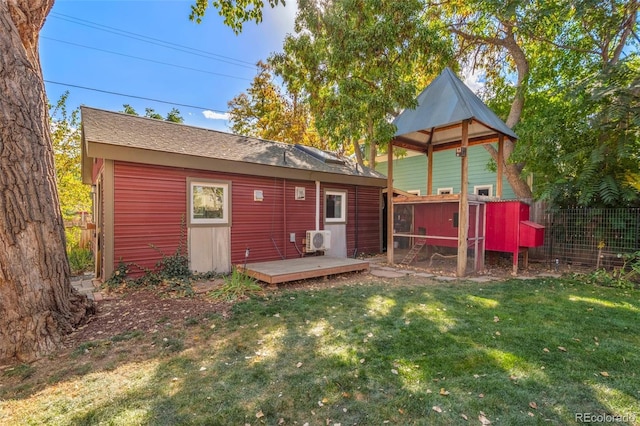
<point x="133" y="96"/>
<point x="144" y="59"/>
<point x="154" y="41"/>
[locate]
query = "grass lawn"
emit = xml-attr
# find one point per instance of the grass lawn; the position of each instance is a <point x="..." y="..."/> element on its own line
<point x="406" y="351"/>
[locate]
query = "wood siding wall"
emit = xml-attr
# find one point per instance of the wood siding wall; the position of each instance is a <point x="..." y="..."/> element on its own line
<point x="151" y="202"/>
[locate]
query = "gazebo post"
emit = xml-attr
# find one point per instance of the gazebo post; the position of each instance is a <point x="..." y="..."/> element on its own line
<point x="430" y="169"/>
<point x="500" y="166"/>
<point x="463" y="209"/>
<point x="389" y="217"/>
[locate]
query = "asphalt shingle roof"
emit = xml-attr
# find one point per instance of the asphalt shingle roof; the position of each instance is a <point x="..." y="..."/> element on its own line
<point x="124" y="130"/>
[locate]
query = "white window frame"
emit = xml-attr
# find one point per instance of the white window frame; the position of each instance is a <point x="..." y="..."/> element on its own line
<point x="445" y="191"/>
<point x="343" y="206"/>
<point x="477" y="188"/>
<point x="225" y="220"/>
<point x="414" y="192"/>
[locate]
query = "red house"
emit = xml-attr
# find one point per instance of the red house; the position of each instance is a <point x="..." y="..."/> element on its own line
<point x="159" y="185"/>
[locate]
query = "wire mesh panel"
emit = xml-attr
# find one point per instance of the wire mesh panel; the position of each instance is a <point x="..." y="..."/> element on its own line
<point x="426" y="235"/>
<point x="591" y="237"/>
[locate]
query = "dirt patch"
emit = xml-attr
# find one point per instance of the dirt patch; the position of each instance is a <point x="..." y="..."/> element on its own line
<point x="145" y="311"/>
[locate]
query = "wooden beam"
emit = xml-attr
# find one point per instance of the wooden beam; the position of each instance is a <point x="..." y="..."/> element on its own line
<point x="410" y="144"/>
<point x="390" y="203"/>
<point x="406" y="143"/>
<point x="451" y="126"/>
<point x="430" y="170"/>
<point x="480" y="140"/>
<point x="463" y="209"/>
<point x="500" y="164"/>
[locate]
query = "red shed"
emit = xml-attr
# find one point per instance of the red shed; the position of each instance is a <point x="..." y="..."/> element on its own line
<point x="159" y="185"/>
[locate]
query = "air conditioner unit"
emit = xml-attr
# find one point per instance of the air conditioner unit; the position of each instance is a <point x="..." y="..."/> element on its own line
<point x="318" y="240"/>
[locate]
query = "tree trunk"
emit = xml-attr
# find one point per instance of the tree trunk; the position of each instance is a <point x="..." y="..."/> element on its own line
<point x="512" y="172"/>
<point x="37" y="302"/>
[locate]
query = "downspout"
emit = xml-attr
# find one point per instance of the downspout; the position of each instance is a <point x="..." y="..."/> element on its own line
<point x="317" y="205"/>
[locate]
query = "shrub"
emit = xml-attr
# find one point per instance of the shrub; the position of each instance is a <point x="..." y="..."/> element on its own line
<point x="627" y="276"/>
<point x="80" y="260"/>
<point x="236" y="285"/>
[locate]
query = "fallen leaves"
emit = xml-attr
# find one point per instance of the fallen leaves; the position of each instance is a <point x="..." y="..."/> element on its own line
<point x="483" y="419"/>
<point x="444" y="392"/>
<point x="436" y="409"/>
<point x="604" y="374"/>
<point x="562" y="348"/>
<point x="533" y="405"/>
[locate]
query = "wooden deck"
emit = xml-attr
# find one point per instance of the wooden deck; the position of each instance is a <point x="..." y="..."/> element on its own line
<point x="280" y="271"/>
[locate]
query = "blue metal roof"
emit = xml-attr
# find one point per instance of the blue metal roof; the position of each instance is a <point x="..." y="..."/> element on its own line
<point x="447" y="101"/>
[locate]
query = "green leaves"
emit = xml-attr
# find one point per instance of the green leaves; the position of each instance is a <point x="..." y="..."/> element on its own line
<point x="234" y="12"/>
<point x="358" y="63"/>
<point x="65" y="136"/>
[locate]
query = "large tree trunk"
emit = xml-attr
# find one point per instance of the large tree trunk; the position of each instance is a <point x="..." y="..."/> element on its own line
<point x="37" y="303"/>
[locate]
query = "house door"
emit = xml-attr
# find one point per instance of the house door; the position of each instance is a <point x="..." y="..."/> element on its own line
<point x="338" y="240"/>
<point x="209" y="224"/>
<point x="335" y="220"/>
<point x="210" y="249"/>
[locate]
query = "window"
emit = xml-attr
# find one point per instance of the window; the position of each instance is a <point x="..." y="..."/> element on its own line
<point x="208" y="202"/>
<point x="445" y="191"/>
<point x="486" y="190"/>
<point x="414" y="192"/>
<point x="335" y="206"/>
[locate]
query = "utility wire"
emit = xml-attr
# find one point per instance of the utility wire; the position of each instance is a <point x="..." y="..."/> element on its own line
<point x="133" y="96"/>
<point x="155" y="41"/>
<point x="145" y="59"/>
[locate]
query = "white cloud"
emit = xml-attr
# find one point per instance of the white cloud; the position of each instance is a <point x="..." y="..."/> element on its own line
<point x="212" y="115"/>
<point x="473" y="80"/>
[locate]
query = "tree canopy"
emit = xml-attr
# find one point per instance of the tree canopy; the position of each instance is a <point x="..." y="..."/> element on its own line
<point x="359" y="63"/>
<point x="557" y="72"/>
<point x="173" y="115"/>
<point x="270" y="112"/>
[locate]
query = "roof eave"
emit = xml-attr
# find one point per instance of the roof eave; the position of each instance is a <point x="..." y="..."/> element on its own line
<point x="169" y="159"/>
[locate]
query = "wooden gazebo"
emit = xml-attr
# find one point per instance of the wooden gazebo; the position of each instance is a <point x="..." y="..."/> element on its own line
<point x="449" y="116"/>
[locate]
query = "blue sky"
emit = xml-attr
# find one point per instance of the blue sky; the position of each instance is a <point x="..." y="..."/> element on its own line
<point x="121" y="47"/>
